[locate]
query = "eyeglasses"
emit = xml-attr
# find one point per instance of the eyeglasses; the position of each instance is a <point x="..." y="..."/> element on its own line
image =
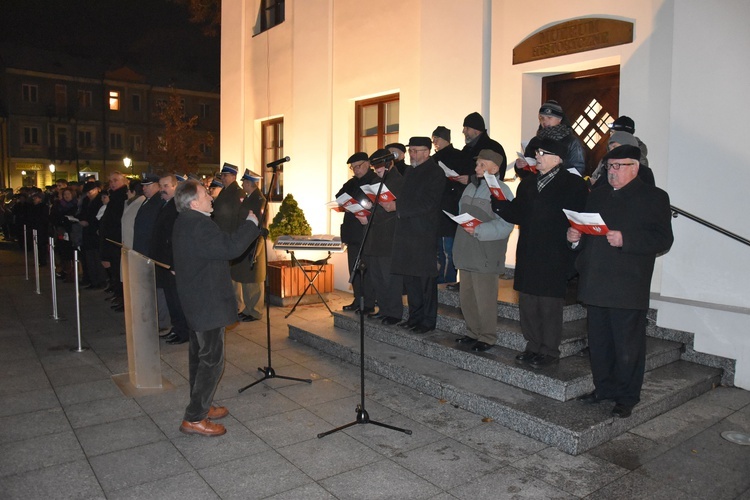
<point x="616" y="166"/>
<point x="542" y="152"/>
<point x="415" y="150"/>
<point x="355" y="166"/>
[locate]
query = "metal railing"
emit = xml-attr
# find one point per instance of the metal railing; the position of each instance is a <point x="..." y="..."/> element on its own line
<point x="678" y="211"/>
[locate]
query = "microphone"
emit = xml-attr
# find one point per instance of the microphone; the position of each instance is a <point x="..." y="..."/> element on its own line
<point x="384" y="158"/>
<point x="278" y="162"/>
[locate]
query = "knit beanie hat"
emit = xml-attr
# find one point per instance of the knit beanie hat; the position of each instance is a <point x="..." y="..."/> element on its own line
<point x="474" y="120"/>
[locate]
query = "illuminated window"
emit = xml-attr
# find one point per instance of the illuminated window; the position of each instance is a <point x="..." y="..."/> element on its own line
<point x="272" y="148"/>
<point x="377" y="122"/>
<point x="114" y="100"/>
<point x="593" y="124"/>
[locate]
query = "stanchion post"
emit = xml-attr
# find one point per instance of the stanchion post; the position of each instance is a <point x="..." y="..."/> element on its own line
<point x="26" y="252"/>
<point x="52" y="277"/>
<point x="78" y="304"/>
<point x="36" y="261"/>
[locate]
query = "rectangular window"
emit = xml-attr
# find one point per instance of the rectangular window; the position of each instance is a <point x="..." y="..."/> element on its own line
<point x="115" y="140"/>
<point x="85" y="139"/>
<point x="203" y="110"/>
<point x="136" y="100"/>
<point x="377" y="122"/>
<point x="272" y="148"/>
<point x="61" y="98"/>
<point x="270" y="14"/>
<point x="114" y="100"/>
<point x="31" y="136"/>
<point x="29" y="93"/>
<point x="136" y="143"/>
<point x="84" y="99"/>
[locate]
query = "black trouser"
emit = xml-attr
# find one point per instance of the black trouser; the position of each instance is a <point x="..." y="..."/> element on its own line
<point x="541" y="323"/>
<point x="358" y="288"/>
<point x="206" y="364"/>
<point x="176" y="315"/>
<point x="387" y="286"/>
<point x="617" y="344"/>
<point x="421" y="293"/>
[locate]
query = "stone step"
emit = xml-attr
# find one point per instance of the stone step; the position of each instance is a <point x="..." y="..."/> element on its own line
<point x="571" y="426"/>
<point x="507" y="302"/>
<point x="565" y="381"/>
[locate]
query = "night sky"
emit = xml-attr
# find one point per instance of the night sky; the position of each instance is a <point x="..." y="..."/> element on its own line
<point x="143" y="33"/>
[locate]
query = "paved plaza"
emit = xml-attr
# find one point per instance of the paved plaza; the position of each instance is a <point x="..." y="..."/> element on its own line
<point x="67" y="431"/>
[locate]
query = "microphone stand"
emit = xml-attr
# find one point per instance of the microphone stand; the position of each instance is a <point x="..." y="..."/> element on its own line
<point x="268" y="371"/>
<point x="359" y="268"/>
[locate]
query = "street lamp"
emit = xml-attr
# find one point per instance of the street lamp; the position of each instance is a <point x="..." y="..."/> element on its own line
<point x="127" y="162"/>
<point x="52" y="167"/>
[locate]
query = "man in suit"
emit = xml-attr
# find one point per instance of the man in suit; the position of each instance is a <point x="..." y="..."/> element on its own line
<point x="414" y="253"/>
<point x="202" y="252"/>
<point x="615" y="276"/>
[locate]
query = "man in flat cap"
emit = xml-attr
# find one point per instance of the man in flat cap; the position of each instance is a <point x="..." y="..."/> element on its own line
<point x="415" y="238"/>
<point x="544" y="260"/>
<point x="615" y="276"/>
<point x="453" y="159"/>
<point x="249" y="269"/>
<point x="399" y="150"/>
<point x="352" y="230"/>
<point x="478" y="139"/>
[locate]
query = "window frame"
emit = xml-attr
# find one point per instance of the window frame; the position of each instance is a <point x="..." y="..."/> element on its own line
<point x="381" y="102"/>
<point x="30" y="92"/>
<point x="31" y="133"/>
<point x="271" y="153"/>
<point x="114" y="100"/>
<point x="85" y="99"/>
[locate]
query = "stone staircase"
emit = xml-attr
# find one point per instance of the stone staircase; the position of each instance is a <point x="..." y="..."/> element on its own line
<point x="538" y="403"/>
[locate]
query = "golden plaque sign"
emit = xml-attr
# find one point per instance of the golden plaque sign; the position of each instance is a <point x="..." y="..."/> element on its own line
<point x="571" y="37"/>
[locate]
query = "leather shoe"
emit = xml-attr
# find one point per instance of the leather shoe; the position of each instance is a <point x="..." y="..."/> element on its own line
<point x="622" y="411"/>
<point x="407" y="325"/>
<point x="375" y="315"/>
<point x="166" y="332"/>
<point x="247" y="319"/>
<point x="351" y="307"/>
<point x="422" y="329"/>
<point x="591" y="398"/>
<point x="390" y="320"/>
<point x="466" y="340"/>
<point x="217" y="412"/>
<point x="172" y="335"/>
<point x="368" y="310"/>
<point x="525" y="356"/>
<point x="542" y="360"/>
<point x="204" y="428"/>
<point x="453" y="286"/>
<point x="177" y="341"/>
<point x="481" y="346"/>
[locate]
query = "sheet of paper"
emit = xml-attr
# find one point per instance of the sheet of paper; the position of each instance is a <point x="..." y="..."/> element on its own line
<point x="449" y="172"/>
<point x="587" y="222"/>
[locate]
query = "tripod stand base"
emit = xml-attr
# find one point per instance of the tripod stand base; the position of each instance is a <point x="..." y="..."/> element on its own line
<point x="269" y="372"/>
<point x="364" y="418"/>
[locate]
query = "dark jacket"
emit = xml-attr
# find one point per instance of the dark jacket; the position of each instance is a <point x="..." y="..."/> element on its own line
<point x="161" y="242"/>
<point x="227" y="206"/>
<point x="621" y="277"/>
<point x="89" y="209"/>
<point x="380" y="238"/>
<point x="418" y="209"/>
<point x="110" y="226"/>
<point x="143" y="228"/>
<point x="483" y="141"/>
<point x="352" y="230"/>
<point x="201" y="261"/>
<point x="576" y="157"/>
<point x="544" y="260"/>
<point x="454" y="159"/>
<point x="243" y="270"/>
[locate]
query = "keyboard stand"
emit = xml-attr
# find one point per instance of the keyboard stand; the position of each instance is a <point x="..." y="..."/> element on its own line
<point x="310" y="280"/>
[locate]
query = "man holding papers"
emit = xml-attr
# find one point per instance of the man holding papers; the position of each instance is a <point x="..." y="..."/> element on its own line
<point x="480" y="251"/>
<point x="615" y="276"/>
<point x="544" y="261"/>
<point x="352" y="230"/>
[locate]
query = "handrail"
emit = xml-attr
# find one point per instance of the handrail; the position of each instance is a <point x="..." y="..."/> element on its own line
<point x="676" y="211"/>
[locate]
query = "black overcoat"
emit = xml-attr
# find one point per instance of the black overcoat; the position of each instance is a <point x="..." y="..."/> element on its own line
<point x="352" y="230"/>
<point x="227" y="206"/>
<point x="243" y="270"/>
<point x="456" y="160"/>
<point x="380" y="238"/>
<point x="418" y="209"/>
<point x="143" y="227"/>
<point x="621" y="277"/>
<point x="544" y="260"/>
<point x="161" y="242"/>
<point x="110" y="226"/>
<point x="202" y="253"/>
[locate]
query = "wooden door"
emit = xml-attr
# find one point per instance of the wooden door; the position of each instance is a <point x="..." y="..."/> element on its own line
<point x="591" y="101"/>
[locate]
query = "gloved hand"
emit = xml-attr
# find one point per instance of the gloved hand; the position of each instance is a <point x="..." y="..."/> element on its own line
<point x="499" y="206"/>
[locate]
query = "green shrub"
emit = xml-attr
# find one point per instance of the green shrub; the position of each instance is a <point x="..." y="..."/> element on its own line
<point x="289" y="220"/>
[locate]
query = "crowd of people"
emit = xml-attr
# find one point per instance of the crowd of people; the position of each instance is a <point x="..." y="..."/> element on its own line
<point x="413" y="242"/>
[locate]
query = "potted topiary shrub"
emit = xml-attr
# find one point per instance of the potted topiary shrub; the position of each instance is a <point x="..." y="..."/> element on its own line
<point x="285" y="281"/>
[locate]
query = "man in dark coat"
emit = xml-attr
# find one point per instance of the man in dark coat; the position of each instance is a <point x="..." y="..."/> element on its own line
<point x="352" y="230"/>
<point x="615" y="276"/>
<point x="227" y="208"/>
<point x="399" y="151"/>
<point x="92" y="259"/>
<point x="544" y="261"/>
<point x="454" y="188"/>
<point x="477" y="139"/>
<point x="161" y="251"/>
<point x="143" y="228"/>
<point x="249" y="269"/>
<point x="110" y="228"/>
<point x="378" y="248"/>
<point x="415" y="239"/>
<point x="202" y="253"/>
